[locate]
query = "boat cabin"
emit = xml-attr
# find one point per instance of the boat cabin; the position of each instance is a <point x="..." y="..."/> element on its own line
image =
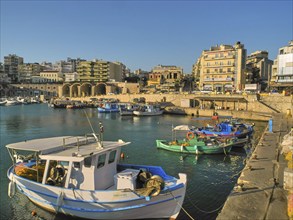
<point x="70" y="162"/>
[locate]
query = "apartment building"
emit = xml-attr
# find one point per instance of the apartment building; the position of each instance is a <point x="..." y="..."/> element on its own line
<point x="259" y="60"/>
<point x="51" y="76"/>
<point x="221" y="68"/>
<point x="11" y="63"/>
<point x="100" y="71"/>
<point x="165" y="75"/>
<point x="282" y="70"/>
<point x="27" y="70"/>
<point x="4" y="79"/>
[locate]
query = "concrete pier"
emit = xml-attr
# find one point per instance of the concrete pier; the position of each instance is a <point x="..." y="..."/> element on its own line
<point x="259" y="192"/>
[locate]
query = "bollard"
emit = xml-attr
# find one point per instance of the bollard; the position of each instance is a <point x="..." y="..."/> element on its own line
<point x="290" y="205"/>
<point x="271" y="125"/>
<point x="288" y="113"/>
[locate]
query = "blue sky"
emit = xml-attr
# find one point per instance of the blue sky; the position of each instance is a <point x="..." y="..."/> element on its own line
<point x="141" y="34"/>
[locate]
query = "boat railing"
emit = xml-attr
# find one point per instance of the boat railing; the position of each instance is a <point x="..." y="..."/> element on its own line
<point x="88" y="138"/>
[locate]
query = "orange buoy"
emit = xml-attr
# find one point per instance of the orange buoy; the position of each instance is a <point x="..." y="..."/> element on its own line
<point x="190" y="135"/>
<point x="34" y="213"/>
<point x="122" y="155"/>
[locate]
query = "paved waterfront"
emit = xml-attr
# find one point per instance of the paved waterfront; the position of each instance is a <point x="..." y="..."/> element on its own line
<point x="259" y="193"/>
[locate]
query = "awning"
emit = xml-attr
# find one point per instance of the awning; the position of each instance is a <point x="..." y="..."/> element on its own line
<point x="182" y="128"/>
<point x="226" y="98"/>
<point x="207" y="86"/>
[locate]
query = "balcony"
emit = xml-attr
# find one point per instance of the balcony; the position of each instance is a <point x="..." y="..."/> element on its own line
<point x="220" y="58"/>
<point x="222" y="73"/>
<point x="219" y="65"/>
<point x="284" y="80"/>
<point x="219" y="80"/>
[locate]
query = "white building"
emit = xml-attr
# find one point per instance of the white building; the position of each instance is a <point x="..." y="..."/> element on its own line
<point x="71" y="77"/>
<point x="282" y="74"/>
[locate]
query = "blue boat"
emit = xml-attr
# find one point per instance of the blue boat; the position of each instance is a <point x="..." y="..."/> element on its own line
<point x="228" y="128"/>
<point x="107" y="107"/>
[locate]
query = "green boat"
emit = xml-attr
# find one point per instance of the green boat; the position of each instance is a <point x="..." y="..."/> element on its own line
<point x="196" y="145"/>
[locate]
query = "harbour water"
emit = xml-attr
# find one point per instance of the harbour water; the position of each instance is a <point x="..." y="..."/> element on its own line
<point x="210" y="177"/>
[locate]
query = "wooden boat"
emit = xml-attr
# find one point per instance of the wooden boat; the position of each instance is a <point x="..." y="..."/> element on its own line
<point x="81" y="176"/>
<point x="3" y="101"/>
<point x="127" y="109"/>
<point x="107" y="107"/>
<point x="148" y="110"/>
<point x="12" y="101"/>
<point x="194" y="144"/>
<point x="75" y="105"/>
<point x="227" y="129"/>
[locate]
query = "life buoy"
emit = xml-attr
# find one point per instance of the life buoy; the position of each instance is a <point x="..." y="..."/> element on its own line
<point x="57" y="173"/>
<point x="190" y="135"/>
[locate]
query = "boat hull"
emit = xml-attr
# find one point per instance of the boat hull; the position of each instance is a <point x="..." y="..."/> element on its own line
<point x="194" y="149"/>
<point x="142" y="113"/>
<point x="126" y="113"/>
<point x="105" y="110"/>
<point x="223" y="134"/>
<point x="109" y="204"/>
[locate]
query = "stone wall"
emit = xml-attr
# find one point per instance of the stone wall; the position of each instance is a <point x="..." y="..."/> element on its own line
<point x="280" y="102"/>
<point x="255" y="107"/>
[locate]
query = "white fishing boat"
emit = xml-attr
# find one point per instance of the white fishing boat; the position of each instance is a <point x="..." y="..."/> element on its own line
<point x="148" y="110"/>
<point x="12" y="101"/>
<point x="22" y="100"/>
<point x="128" y="108"/>
<point x="81" y="176"/>
<point x="3" y="101"/>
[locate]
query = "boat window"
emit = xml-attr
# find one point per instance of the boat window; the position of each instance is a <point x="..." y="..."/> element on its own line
<point x="76" y="164"/>
<point x="101" y="161"/>
<point x="57" y="173"/>
<point x="88" y="161"/>
<point x="112" y="156"/>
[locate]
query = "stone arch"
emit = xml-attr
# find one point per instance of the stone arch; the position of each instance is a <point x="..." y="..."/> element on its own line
<point x="86" y="89"/>
<point x="100" y="89"/>
<point x="66" y="90"/>
<point x="75" y="89"/>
